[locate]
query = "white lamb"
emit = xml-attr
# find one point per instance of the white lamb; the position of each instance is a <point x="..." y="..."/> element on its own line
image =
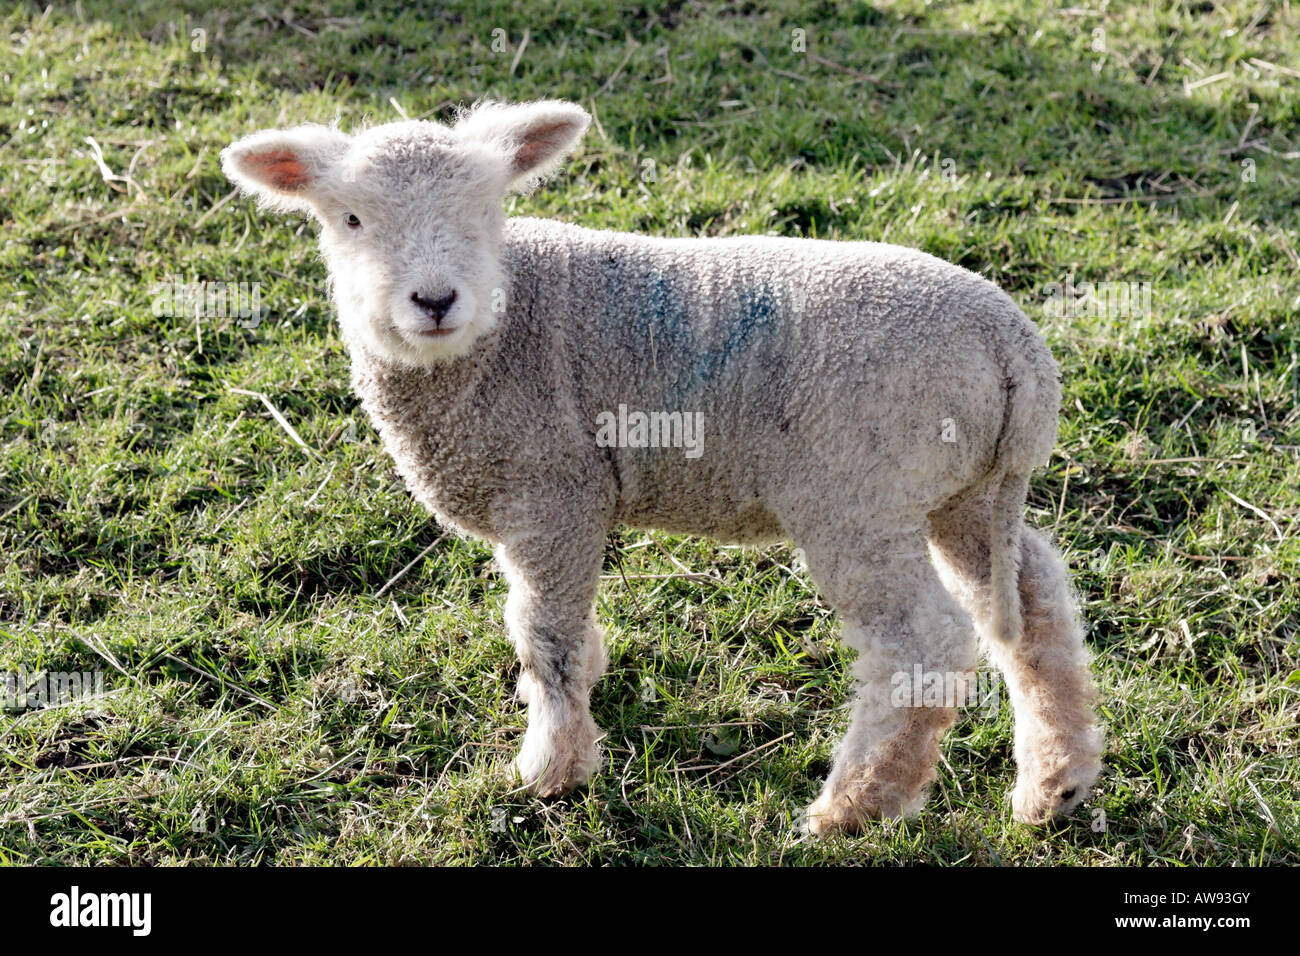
<point x="879" y="407"/>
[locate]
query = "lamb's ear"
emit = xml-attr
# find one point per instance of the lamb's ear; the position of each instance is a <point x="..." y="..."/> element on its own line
<point x="284" y="168"/>
<point x="533" y="137"/>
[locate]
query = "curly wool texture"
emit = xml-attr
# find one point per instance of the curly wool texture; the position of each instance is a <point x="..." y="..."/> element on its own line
<point x="877" y="406"/>
<point x="824" y="372"/>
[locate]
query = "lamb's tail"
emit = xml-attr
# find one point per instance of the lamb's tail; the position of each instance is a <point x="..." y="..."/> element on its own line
<point x="1004" y="558"/>
<point x="1025" y="441"/>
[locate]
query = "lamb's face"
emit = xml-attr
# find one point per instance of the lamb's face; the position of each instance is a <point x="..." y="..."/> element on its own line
<point x="410" y="216"/>
<point x="410" y="227"/>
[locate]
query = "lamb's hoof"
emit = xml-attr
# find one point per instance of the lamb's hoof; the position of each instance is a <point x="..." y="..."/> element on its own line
<point x="847" y="807"/>
<point x="835" y="813"/>
<point x="550" y="768"/>
<point x="1040" y="799"/>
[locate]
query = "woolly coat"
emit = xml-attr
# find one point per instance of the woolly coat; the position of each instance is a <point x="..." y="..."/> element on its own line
<point x="842" y="385"/>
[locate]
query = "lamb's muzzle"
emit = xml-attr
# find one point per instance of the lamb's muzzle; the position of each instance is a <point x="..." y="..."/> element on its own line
<point x="435" y="309"/>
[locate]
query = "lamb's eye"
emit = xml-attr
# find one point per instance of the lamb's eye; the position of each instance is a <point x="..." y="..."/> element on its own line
<point x="353" y="222"/>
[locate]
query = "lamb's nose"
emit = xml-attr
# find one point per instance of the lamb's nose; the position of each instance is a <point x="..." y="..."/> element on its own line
<point x="435" y="309"/>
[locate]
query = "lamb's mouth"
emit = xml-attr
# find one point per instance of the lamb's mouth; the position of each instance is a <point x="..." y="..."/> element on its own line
<point x="426" y="332"/>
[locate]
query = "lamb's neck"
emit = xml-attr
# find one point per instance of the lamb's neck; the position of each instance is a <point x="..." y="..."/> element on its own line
<point x="398" y="396"/>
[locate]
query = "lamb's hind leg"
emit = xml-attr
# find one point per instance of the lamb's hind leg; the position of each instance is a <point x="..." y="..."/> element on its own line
<point x="1058" y="740"/>
<point x="553" y="579"/>
<point x="898" y="617"/>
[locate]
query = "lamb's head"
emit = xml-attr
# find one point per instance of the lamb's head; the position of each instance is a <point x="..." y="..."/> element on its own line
<point x="411" y="215"/>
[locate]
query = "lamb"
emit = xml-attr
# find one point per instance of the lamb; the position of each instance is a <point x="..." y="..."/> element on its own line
<point x="877" y="406"/>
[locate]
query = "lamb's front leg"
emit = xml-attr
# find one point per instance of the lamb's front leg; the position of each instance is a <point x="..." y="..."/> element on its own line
<point x="553" y="579"/>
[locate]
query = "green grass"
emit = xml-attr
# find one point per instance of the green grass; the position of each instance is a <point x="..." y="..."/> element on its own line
<point x="270" y="700"/>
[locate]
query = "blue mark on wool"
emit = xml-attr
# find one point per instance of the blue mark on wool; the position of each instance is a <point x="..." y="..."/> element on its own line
<point x="758" y="310"/>
<point x="665" y="315"/>
<point x="649" y="304"/>
<point x="659" y="321"/>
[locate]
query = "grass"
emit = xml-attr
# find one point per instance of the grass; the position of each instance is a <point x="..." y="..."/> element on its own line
<point x="273" y="695"/>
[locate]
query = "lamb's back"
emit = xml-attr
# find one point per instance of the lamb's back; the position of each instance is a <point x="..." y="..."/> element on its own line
<point x="808" y="360"/>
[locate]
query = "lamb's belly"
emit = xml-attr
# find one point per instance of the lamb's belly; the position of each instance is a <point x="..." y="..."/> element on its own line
<point x="693" y="498"/>
<point x="749" y="524"/>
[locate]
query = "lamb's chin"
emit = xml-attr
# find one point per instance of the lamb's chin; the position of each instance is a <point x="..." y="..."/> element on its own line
<point x="424" y="350"/>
